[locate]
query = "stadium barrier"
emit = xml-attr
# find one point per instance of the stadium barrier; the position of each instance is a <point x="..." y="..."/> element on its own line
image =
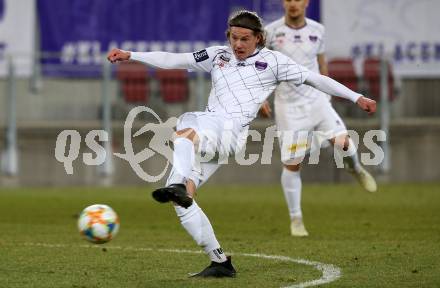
<point x="47" y="101"/>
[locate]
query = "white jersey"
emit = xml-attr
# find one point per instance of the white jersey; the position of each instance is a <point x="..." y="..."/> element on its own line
<point x="303" y="45"/>
<point x="239" y="87"/>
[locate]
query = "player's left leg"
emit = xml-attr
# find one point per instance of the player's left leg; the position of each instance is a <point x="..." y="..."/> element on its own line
<point x="186" y="178"/>
<point x="345" y="146"/>
<point x="189" y="135"/>
<point x="184" y="161"/>
<point x="197" y="224"/>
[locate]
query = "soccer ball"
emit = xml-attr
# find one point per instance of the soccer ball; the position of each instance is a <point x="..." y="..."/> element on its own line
<point x="98" y="223"/>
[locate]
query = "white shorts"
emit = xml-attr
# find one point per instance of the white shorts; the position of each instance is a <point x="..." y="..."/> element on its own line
<point x="218" y="133"/>
<point x="220" y="137"/>
<point x="303" y="129"/>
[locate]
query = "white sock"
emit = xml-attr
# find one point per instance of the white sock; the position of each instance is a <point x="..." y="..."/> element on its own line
<point x="198" y="226"/>
<point x="217" y="255"/>
<point x="352" y="161"/>
<point x="291" y="182"/>
<point x="183" y="156"/>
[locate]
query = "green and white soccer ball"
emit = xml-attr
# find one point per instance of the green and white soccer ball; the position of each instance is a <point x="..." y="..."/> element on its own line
<point x="98" y="223"/>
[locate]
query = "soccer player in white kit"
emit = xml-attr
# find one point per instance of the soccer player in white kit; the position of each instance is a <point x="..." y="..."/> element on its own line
<point x="243" y="75"/>
<point x="303" y="109"/>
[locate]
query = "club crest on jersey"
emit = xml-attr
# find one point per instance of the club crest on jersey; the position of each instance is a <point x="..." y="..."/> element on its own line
<point x="313" y="38"/>
<point x="224" y="58"/>
<point x="201" y="55"/>
<point x="260" y="66"/>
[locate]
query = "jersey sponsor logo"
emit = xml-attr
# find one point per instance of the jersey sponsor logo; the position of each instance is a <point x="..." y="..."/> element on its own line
<point x="280" y="34"/>
<point x="297" y="38"/>
<point x="260" y="66"/>
<point x="201" y="55"/>
<point x="313" y="38"/>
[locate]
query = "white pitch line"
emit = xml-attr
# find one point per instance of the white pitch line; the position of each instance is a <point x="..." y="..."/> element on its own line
<point x="329" y="272"/>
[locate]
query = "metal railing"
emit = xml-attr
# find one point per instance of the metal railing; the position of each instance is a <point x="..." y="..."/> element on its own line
<point x="9" y="157"/>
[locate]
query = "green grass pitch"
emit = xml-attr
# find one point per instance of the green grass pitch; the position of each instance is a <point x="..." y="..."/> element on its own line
<point x="387" y="239"/>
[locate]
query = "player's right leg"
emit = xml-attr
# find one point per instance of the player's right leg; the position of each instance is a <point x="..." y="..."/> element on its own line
<point x="294" y="147"/>
<point x="294" y="125"/>
<point x="292" y="187"/>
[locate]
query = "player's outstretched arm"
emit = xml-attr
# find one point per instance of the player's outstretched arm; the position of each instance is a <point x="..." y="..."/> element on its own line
<point x="157" y="59"/>
<point x="332" y="87"/>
